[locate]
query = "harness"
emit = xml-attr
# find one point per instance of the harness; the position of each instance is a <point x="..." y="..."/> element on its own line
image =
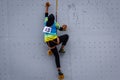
<point x="58" y="41"/>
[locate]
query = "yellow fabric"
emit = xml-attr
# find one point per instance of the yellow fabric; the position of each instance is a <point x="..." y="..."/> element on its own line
<point x="49" y="37"/>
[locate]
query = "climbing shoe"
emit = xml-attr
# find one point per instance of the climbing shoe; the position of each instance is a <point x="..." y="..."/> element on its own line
<point x="60" y="75"/>
<point x="61" y="51"/>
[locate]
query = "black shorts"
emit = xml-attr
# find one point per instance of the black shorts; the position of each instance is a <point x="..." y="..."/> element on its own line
<point x="63" y="39"/>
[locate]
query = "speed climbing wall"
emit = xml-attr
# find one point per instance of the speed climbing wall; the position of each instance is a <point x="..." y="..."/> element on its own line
<point x="92" y="52"/>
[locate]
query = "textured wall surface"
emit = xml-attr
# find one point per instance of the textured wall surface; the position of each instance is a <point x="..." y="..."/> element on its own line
<point x="92" y="52"/>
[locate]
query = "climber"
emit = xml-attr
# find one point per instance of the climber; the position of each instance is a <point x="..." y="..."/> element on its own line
<point x="51" y="38"/>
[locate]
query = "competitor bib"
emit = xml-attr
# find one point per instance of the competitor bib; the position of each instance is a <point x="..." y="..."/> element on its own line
<point x="47" y="29"/>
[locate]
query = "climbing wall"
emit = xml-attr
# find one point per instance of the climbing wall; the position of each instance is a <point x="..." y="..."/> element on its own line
<point x="92" y="52"/>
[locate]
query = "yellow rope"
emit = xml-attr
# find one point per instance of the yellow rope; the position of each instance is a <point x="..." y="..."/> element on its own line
<point x="56" y="5"/>
<point x="56" y="9"/>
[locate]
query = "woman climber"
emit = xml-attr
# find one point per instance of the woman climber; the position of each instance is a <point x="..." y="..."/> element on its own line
<point x="51" y="38"/>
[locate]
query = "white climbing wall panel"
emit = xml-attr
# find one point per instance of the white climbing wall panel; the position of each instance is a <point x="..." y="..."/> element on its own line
<point x="92" y="52"/>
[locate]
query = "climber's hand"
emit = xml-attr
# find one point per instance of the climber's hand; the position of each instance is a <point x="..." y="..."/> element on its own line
<point x="47" y="4"/>
<point x="64" y="27"/>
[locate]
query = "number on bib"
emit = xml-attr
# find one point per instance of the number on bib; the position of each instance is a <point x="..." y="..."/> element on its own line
<point x="47" y="29"/>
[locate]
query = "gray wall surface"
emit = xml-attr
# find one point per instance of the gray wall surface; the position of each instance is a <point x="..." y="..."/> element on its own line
<point x="92" y="52"/>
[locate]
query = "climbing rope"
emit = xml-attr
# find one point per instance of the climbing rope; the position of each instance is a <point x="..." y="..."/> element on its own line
<point x="56" y="9"/>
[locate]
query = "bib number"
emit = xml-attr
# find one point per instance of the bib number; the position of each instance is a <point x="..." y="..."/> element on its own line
<point x="47" y="29"/>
